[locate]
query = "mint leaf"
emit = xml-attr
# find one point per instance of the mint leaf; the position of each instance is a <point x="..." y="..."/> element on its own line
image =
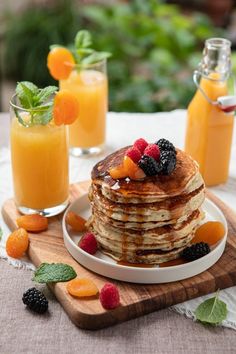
<point x="95" y="57"/>
<point x="83" y="39"/>
<point x="212" y="311"/>
<point x="1" y="233"/>
<point x="45" y="93"/>
<point x="54" y="272"/>
<point x="43" y="115"/>
<point x="26" y="92"/>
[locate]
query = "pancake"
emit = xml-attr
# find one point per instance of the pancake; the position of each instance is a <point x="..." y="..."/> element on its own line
<point x="183" y="180"/>
<point x="147" y="221"/>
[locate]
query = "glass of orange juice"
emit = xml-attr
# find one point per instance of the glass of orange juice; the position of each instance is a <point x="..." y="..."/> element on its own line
<point x="39" y="155"/>
<point x="89" y="84"/>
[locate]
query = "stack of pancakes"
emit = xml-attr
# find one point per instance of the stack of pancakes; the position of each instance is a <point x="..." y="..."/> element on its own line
<point x="148" y="221"/>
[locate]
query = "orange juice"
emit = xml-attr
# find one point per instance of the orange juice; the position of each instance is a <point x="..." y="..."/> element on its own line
<point x="209" y="133"/>
<point x="40" y="165"/>
<point x="209" y="129"/>
<point x="90" y="86"/>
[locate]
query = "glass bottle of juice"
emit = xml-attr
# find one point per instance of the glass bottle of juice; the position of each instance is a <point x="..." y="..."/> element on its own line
<point x="209" y="128"/>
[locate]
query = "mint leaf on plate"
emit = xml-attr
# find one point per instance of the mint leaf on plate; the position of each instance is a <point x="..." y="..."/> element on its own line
<point x="212" y="311"/>
<point x="53" y="273"/>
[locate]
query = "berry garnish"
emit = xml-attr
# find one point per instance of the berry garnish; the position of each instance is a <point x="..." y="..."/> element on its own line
<point x="60" y="63"/>
<point x="167" y="162"/>
<point x="195" y="251"/>
<point x="140" y="144"/>
<point x="88" y="243"/>
<point x="153" y="151"/>
<point x="65" y="108"/>
<point x="149" y="166"/>
<point x="17" y="243"/>
<point x="82" y="287"/>
<point x="165" y="145"/>
<point x="134" y="154"/>
<point x="35" y="300"/>
<point x="109" y="296"/>
<point x="76" y="222"/>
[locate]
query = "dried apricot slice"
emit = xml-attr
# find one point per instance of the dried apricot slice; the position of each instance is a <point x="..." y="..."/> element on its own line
<point x="132" y="169"/>
<point x="17" y="243"/>
<point x="60" y="63"/>
<point x="81" y="287"/>
<point x="211" y="232"/>
<point x="33" y="222"/>
<point x="65" y="108"/>
<point x="76" y="222"/>
<point x="118" y="172"/>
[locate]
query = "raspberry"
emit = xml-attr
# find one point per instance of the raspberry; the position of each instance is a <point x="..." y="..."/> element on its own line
<point x="134" y="154"/>
<point x="109" y="296"/>
<point x="196" y="251"/>
<point x="153" y="151"/>
<point x="35" y="300"/>
<point x="140" y="144"/>
<point x="165" y="145"/>
<point x="167" y="162"/>
<point x="88" y="243"/>
<point x="149" y="166"/>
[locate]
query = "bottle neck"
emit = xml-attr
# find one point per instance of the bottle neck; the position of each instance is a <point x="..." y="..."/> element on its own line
<point x="216" y="60"/>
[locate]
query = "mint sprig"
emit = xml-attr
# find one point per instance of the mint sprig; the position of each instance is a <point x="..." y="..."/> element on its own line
<point x="212" y="311"/>
<point x="53" y="273"/>
<point x="36" y="102"/>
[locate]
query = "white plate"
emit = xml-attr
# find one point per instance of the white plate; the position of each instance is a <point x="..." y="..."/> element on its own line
<point x="104" y="265"/>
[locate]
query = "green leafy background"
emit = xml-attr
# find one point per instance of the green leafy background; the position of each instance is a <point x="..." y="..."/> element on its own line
<point x="154" y="48"/>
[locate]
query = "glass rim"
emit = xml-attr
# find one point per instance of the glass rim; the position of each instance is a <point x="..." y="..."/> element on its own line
<point x="217" y="42"/>
<point x="20" y="108"/>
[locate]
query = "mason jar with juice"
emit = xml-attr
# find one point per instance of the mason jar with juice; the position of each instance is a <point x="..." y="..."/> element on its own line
<point x="210" y="122"/>
<point x="82" y="71"/>
<point x="39" y="148"/>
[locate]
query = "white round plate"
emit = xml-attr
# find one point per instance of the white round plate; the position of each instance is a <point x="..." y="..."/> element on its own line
<point x="104" y="265"/>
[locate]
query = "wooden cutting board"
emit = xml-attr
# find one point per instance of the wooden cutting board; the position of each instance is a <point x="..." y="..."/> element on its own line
<point x="136" y="300"/>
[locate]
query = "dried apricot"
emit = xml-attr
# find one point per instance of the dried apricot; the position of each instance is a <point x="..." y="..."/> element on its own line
<point x="76" y="222"/>
<point x="33" y="222"/>
<point x="118" y="172"/>
<point x="81" y="287"/>
<point x="211" y="232"/>
<point x="60" y="63"/>
<point x="66" y="107"/>
<point x="17" y="243"/>
<point x="132" y="169"/>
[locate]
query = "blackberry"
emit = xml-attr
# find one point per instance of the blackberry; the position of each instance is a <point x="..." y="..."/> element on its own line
<point x="167" y="162"/>
<point x="195" y="251"/>
<point x="149" y="165"/>
<point x="35" y="300"/>
<point x="165" y="145"/>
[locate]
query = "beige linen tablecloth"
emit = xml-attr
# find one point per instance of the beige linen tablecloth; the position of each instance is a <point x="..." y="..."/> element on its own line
<point x="161" y="332"/>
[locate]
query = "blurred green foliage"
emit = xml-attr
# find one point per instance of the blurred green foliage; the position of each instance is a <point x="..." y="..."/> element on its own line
<point x="155" y="48"/>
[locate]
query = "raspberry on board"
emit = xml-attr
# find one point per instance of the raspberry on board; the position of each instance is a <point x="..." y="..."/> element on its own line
<point x="140" y="144"/>
<point x="153" y="151"/>
<point x="109" y="296"/>
<point x="17" y="243"/>
<point x="60" y="63"/>
<point x="134" y="154"/>
<point x="88" y="243"/>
